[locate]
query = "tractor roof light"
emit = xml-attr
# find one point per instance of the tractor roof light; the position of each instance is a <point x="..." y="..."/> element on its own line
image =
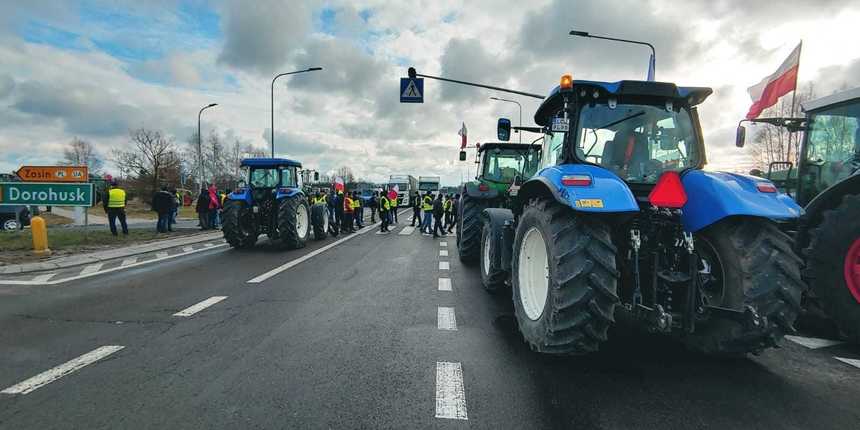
<point x="669" y="192"/>
<point x="566" y="82"/>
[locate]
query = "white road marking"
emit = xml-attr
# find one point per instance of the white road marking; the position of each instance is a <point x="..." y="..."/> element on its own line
<point x="445" y="319"/>
<point x="92" y="268"/>
<point x="851" y="361"/>
<point x="445" y="284"/>
<point x="191" y="310"/>
<point x="310" y="255"/>
<point x="443" y="252"/>
<point x="450" y="395"/>
<point x="406" y="231"/>
<point x="443" y="244"/>
<point x="208" y="245"/>
<point x="44" y="278"/>
<point x="382" y="232"/>
<point x="128" y="261"/>
<point x="187" y="248"/>
<point x="112" y="269"/>
<point x="444" y="265"/>
<point x="160" y="254"/>
<point x="813" y="342"/>
<point x="64" y="369"/>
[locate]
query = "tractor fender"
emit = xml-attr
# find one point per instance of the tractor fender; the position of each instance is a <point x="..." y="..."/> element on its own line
<point x="712" y="196"/>
<point x="501" y="223"/>
<point x="242" y="194"/>
<point x="827" y="199"/>
<point x="607" y="193"/>
<point x="471" y="188"/>
<point x="287" y="192"/>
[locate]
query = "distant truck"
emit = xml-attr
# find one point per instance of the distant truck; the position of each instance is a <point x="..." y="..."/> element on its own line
<point x="406" y="186"/>
<point x="429" y="183"/>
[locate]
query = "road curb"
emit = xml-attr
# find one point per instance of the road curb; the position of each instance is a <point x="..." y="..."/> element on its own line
<point x="99" y="256"/>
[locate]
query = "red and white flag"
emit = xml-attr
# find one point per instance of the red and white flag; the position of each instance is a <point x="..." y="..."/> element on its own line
<point x="767" y="92"/>
<point x="338" y="184"/>
<point x="462" y="133"/>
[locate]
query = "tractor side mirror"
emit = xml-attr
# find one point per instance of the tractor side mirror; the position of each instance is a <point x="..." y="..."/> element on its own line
<point x="462" y="155"/>
<point x="741" y="136"/>
<point x="518" y="180"/>
<point x="503" y="129"/>
<point x="316" y="176"/>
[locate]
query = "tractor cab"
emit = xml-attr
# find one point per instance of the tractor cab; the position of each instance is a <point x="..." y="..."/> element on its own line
<point x="499" y="164"/>
<point x="269" y="178"/>
<point x="637" y="130"/>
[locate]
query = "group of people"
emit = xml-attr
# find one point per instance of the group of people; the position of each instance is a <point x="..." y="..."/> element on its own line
<point x="210" y="203"/>
<point x="440" y="214"/>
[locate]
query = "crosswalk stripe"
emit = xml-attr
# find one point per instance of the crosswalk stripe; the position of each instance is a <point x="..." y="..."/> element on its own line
<point x="92" y="268"/>
<point x="851" y="361"/>
<point x="443" y="252"/>
<point x="443" y="244"/>
<point x="444" y="265"/>
<point x="450" y="395"/>
<point x="445" y="284"/>
<point x="445" y="319"/>
<point x="127" y="261"/>
<point x="813" y="342"/>
<point x="406" y="231"/>
<point x="187" y="248"/>
<point x="43" y="278"/>
<point x="64" y="369"/>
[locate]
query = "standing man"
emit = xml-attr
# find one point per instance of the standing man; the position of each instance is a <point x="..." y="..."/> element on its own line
<point x="177" y="203"/>
<point x="358" y="210"/>
<point x="427" y="207"/>
<point x="203" y="209"/>
<point x="455" y="213"/>
<point x="338" y="208"/>
<point x="348" y="210"/>
<point x="416" y="208"/>
<point x="114" y="206"/>
<point x="438" y="213"/>
<point x="214" y="207"/>
<point x="447" y="206"/>
<point x="162" y="204"/>
<point x="383" y="213"/>
<point x="374" y="206"/>
<point x="392" y="202"/>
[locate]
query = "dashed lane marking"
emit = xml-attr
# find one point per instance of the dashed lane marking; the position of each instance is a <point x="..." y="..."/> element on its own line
<point x="851" y="361"/>
<point x="450" y="395"/>
<point x="44" y="278"/>
<point x="128" y="261"/>
<point x="191" y="310"/>
<point x="444" y="265"/>
<point x="445" y="319"/>
<point x="445" y="284"/>
<point x="443" y="252"/>
<point x="92" y="268"/>
<point x="112" y="269"/>
<point x="64" y="369"/>
<point x="813" y="342"/>
<point x="406" y="231"/>
<point x="443" y="244"/>
<point x="310" y="255"/>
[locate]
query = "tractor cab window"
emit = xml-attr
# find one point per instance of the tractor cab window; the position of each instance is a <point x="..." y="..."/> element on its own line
<point x="264" y="178"/>
<point x="553" y="144"/>
<point x="288" y="177"/>
<point x="503" y="165"/>
<point x="833" y="144"/>
<point x="637" y="142"/>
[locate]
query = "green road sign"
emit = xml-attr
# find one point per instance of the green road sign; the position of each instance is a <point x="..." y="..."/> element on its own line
<point x="46" y="194"/>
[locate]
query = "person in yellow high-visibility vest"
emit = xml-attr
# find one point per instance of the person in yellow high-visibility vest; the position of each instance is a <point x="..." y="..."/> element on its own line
<point x="114" y="206"/>
<point x="357" y="210"/>
<point x="427" y="207"/>
<point x="384" y="207"/>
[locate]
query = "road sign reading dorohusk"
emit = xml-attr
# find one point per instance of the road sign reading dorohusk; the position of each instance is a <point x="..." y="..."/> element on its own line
<point x="46" y="194"/>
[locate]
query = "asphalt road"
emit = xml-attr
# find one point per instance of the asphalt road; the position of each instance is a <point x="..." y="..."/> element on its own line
<point x="359" y="335"/>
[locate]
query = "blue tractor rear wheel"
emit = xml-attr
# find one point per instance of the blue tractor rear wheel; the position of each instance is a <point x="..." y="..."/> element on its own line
<point x="294" y="221"/>
<point x="238" y="225"/>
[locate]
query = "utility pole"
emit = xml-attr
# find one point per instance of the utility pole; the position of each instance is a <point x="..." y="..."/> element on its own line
<point x="310" y="69"/>
<point x="200" y="175"/>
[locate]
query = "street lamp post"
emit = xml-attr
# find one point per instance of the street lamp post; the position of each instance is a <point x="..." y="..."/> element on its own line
<point x="310" y="69"/>
<point x="199" y="144"/>
<point x="652" y="65"/>
<point x="520" y="132"/>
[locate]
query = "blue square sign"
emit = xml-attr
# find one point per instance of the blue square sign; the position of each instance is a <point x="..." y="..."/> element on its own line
<point x="411" y="90"/>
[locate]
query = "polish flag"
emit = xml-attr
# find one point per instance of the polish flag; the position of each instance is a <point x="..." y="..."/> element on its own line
<point x="462" y="133"/>
<point x="767" y="92"/>
<point x="338" y="184"/>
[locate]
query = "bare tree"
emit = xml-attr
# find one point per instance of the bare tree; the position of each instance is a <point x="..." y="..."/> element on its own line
<point x="81" y="152"/>
<point x="151" y="158"/>
<point x="346" y="173"/>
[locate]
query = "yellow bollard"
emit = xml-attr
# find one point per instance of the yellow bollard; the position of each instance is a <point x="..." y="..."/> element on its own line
<point x="40" y="236"/>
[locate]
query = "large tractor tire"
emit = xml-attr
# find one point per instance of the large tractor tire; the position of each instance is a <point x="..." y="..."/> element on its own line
<point x="238" y="224"/>
<point x="319" y="219"/>
<point x="469" y="228"/>
<point x="294" y="222"/>
<point x="492" y="278"/>
<point x="747" y="265"/>
<point x="564" y="279"/>
<point x="833" y="265"/>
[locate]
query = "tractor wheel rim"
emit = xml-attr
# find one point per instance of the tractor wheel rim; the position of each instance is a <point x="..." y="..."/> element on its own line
<point x="852" y="269"/>
<point x="533" y="274"/>
<point x="301" y="221"/>
<point x="10" y="224"/>
<point x="485" y="255"/>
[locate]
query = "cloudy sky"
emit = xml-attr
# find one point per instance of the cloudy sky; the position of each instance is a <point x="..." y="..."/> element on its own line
<point x="95" y="69"/>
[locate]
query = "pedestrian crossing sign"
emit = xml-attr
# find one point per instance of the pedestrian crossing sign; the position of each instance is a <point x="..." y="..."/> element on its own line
<point x="411" y="90"/>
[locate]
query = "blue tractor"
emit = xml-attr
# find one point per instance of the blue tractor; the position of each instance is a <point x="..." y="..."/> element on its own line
<point x="271" y="202"/>
<point x="620" y="219"/>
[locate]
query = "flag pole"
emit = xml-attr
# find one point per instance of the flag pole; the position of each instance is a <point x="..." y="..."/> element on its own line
<point x="794" y="97"/>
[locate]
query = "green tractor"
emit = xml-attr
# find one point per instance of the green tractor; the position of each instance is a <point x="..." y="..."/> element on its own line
<point x="501" y="168"/>
<point x="826" y="182"/>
